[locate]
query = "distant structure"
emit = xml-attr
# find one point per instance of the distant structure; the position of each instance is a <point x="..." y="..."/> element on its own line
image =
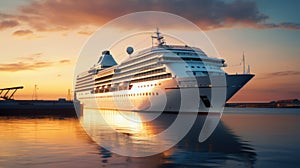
<point x="287" y="103"/>
<point x="69" y="97"/>
<point x="5" y="92"/>
<point x="35" y="94"/>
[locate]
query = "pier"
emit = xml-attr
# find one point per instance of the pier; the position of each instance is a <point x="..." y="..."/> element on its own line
<point x="6" y="92"/>
<point x="60" y="107"/>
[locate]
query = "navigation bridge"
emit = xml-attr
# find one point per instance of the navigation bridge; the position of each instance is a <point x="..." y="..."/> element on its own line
<point x="8" y="93"/>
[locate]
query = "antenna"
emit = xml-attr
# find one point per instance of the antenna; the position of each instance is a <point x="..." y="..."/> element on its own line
<point x="69" y="95"/>
<point x="244" y="68"/>
<point x="248" y="69"/>
<point x="34" y="94"/>
<point x="158" y="37"/>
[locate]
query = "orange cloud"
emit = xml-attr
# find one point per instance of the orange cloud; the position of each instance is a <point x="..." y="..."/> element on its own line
<point x="284" y="73"/>
<point x="284" y="25"/>
<point x="64" y="61"/>
<point x="277" y="74"/>
<point x="5" y="24"/>
<point x="49" y="15"/>
<point x="30" y="63"/>
<point x="83" y="32"/>
<point x="22" y="32"/>
<point x="207" y="14"/>
<point x="32" y="57"/>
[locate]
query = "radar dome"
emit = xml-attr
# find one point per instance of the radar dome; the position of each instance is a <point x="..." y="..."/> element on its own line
<point x="129" y="50"/>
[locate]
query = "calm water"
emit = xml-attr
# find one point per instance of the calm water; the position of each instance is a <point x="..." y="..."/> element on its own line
<point x="244" y="138"/>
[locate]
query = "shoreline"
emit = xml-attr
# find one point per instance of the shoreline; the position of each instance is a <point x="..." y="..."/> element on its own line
<point x="66" y="108"/>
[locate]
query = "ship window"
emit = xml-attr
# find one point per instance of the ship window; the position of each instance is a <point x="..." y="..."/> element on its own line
<point x="143" y="94"/>
<point x="151" y="85"/>
<point x="186" y="66"/>
<point x="198" y="67"/>
<point x="156" y="93"/>
<point x="159" y="84"/>
<point x="193" y="67"/>
<point x="155" y="84"/>
<point x="146" y="94"/>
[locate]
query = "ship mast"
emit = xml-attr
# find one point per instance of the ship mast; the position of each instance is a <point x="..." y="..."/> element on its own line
<point x="244" y="65"/>
<point x="159" y="38"/>
<point x="244" y="68"/>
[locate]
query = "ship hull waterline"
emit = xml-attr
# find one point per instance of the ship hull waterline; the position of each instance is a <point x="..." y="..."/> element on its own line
<point x="170" y="95"/>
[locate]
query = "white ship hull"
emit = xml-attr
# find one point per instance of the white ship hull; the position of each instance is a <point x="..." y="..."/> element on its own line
<point x="168" y="78"/>
<point x="168" y="96"/>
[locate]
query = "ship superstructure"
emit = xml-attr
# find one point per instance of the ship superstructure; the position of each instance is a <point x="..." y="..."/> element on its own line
<point x="153" y="78"/>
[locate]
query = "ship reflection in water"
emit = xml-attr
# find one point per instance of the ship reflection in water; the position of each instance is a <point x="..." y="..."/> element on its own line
<point x="123" y="132"/>
<point x="245" y="137"/>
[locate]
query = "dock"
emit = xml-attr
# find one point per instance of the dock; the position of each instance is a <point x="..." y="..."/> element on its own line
<point x="60" y="107"/>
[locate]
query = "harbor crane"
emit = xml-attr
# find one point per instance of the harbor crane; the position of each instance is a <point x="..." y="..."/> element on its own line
<point x="8" y="93"/>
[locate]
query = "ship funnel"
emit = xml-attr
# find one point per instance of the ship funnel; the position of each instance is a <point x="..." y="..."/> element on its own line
<point x="106" y="60"/>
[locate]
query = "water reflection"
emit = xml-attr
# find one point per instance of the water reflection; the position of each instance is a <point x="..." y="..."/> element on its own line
<point x="45" y="142"/>
<point x="273" y="141"/>
<point x="128" y="131"/>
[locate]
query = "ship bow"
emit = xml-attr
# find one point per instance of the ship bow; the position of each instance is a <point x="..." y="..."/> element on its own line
<point x="236" y="82"/>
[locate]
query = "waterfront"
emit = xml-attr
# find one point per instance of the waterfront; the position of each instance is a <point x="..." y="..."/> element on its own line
<point x="245" y="137"/>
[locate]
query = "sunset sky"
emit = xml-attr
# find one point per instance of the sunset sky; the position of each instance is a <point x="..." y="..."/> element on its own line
<point x="40" y="40"/>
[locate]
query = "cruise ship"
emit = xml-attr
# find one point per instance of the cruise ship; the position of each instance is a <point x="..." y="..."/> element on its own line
<point x="163" y="77"/>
